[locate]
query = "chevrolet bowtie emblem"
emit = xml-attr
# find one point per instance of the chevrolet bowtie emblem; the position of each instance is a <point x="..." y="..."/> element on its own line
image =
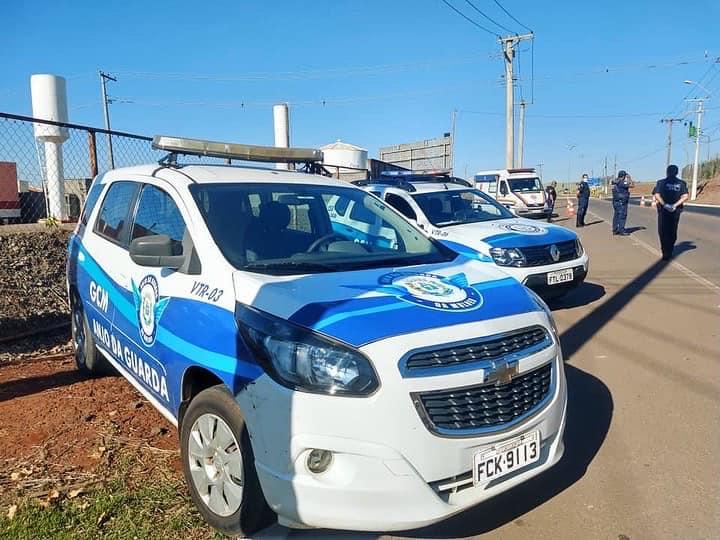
<point x="501" y="374"/>
<point x="555" y="253"/>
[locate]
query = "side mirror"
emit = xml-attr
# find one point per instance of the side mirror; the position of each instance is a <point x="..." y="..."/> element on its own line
<point x="503" y="189"/>
<point x="155" y="251"/>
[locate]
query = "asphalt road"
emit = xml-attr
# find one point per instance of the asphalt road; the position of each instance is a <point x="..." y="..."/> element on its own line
<point x="642" y="346"/>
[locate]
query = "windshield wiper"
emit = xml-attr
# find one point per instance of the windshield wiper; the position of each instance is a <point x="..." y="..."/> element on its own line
<point x="290" y="266"/>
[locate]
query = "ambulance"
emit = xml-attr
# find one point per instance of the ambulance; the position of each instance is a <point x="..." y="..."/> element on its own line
<point x="316" y="376"/>
<point x="520" y="190"/>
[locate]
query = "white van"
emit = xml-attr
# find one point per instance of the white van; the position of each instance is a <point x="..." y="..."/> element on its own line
<point x="520" y="190"/>
<point x="335" y="377"/>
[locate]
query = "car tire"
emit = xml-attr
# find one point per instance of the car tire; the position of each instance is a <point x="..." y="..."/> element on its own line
<point x="88" y="359"/>
<point x="219" y="465"/>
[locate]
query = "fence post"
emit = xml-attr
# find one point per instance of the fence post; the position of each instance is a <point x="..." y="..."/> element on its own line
<point x="92" y="149"/>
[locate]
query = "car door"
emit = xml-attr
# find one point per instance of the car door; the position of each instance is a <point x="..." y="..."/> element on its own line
<point x="153" y="352"/>
<point x="101" y="275"/>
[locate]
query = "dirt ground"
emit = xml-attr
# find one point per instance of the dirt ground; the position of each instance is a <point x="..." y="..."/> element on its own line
<point x="59" y="428"/>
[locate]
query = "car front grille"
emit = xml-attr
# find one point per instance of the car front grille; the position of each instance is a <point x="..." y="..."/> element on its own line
<point x="484" y="407"/>
<point x="522" y="342"/>
<point x="540" y="255"/>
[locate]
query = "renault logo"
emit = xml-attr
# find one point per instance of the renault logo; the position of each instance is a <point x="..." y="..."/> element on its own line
<point x="555" y="253"/>
<point x="501" y="373"/>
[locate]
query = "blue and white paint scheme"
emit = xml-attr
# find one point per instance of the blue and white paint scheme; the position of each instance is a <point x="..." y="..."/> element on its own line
<point x="161" y="327"/>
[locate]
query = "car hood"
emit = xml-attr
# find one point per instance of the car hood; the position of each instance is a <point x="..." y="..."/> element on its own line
<point x="504" y="233"/>
<point x="362" y="306"/>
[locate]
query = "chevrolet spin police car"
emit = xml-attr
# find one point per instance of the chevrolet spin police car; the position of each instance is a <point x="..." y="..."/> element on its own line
<point x="547" y="258"/>
<point x="376" y="383"/>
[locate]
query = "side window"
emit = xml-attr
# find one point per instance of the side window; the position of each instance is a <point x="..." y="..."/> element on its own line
<point x="112" y="222"/>
<point x="361" y="213"/>
<point x="90" y="201"/>
<point x="401" y="205"/>
<point x="156" y="214"/>
<point x="341" y="205"/>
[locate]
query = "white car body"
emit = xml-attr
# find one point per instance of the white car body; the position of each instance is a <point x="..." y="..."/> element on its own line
<point x="535" y="238"/>
<point x="503" y="185"/>
<point x="392" y="467"/>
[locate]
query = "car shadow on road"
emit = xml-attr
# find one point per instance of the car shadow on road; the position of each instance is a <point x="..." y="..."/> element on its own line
<point x="585" y="294"/>
<point x="32" y="385"/>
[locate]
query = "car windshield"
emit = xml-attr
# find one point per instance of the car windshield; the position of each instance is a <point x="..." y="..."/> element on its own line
<point x="300" y="229"/>
<point x="456" y="206"/>
<point x="525" y="184"/>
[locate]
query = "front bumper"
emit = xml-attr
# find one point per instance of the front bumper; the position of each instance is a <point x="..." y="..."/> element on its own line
<point x="389" y="472"/>
<point x="535" y="277"/>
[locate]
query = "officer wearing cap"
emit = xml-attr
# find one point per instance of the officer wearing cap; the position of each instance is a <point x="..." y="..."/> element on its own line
<point x="669" y="195"/>
<point x="621" y="196"/>
<point x="583" y="197"/>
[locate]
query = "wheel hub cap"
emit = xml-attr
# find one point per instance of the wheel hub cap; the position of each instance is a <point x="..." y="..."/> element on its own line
<point x="216" y="465"/>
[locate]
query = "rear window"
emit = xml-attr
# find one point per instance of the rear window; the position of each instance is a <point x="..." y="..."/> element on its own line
<point x="113" y="222"/>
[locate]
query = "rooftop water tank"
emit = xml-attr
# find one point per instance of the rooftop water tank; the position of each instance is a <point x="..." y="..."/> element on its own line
<point x="344" y="156"/>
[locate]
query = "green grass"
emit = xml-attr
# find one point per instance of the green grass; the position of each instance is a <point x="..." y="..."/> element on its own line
<point x="155" y="506"/>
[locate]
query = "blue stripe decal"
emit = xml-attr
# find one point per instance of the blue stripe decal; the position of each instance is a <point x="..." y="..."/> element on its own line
<point x="466" y="251"/>
<point x="177" y="316"/>
<point x="515" y="240"/>
<point x="358" y="321"/>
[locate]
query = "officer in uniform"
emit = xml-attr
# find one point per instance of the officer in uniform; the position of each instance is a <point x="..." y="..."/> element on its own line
<point x="583" y="197"/>
<point x="550" y="198"/>
<point x="669" y="195"/>
<point x="621" y="195"/>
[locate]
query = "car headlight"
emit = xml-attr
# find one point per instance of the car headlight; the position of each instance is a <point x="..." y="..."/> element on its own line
<point x="301" y="359"/>
<point x="578" y="248"/>
<point x="507" y="256"/>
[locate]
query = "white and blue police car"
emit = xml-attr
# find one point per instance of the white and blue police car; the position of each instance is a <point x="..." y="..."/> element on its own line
<point x="546" y="258"/>
<point x="383" y="382"/>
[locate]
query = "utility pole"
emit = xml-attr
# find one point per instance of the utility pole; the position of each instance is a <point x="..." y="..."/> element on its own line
<point x="698" y="131"/>
<point x="508" y="45"/>
<point x="605" y="176"/>
<point x="104" y="77"/>
<point x="521" y="140"/>
<point x="452" y="141"/>
<point x="669" y="122"/>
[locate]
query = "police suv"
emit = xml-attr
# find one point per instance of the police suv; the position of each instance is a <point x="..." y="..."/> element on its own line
<point x="376" y="383"/>
<point x="546" y="258"/>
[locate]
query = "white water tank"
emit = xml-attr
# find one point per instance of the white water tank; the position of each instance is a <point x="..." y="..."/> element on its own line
<point x="344" y="156"/>
<point x="281" y="124"/>
<point x="49" y="102"/>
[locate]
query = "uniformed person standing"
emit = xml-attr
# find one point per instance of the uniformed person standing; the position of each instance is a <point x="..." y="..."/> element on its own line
<point x="620" y="196"/>
<point x="583" y="197"/>
<point x="669" y="195"/>
<point x="550" y="198"/>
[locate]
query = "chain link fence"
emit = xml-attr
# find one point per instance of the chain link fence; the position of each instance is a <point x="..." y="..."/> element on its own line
<point x="46" y="167"/>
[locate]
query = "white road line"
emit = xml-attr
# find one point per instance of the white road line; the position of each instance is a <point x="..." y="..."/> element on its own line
<point x="680" y="267"/>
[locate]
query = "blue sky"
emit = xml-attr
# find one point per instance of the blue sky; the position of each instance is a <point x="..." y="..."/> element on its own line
<point x="387" y="72"/>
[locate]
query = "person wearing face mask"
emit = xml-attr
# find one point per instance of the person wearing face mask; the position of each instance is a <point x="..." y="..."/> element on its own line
<point x="583" y="198"/>
<point x="621" y="197"/>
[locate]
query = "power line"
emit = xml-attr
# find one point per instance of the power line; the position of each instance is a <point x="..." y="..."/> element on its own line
<point x="511" y="16"/>
<point x="488" y="18"/>
<point x="301" y="75"/>
<point x="456" y="10"/>
<point x="682" y="101"/>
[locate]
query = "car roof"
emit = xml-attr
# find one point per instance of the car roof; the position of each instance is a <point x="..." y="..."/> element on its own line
<point x="208" y="174"/>
<point x="420" y="187"/>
